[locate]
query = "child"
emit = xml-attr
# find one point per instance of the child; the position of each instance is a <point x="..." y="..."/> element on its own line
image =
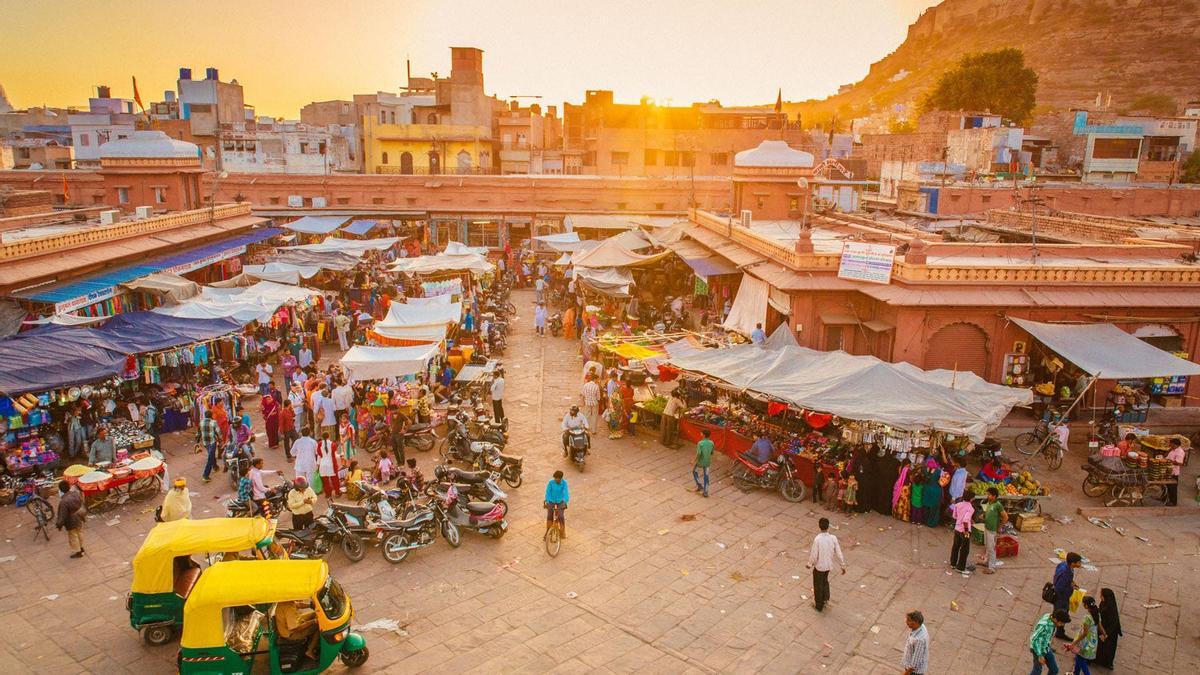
<point x="831" y="492"/>
<point x="1088" y="638"/>
<point x="414" y="475"/>
<point x="354" y="476"/>
<point x="851" y="493"/>
<point x="841" y="491"/>
<point x="383" y="467"/>
<point x="346" y="438"/>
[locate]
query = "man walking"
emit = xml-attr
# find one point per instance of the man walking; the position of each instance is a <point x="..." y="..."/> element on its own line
<point x="1039" y="640"/>
<point x="1064" y="585"/>
<point x="264" y="371"/>
<point x="1176" y="457"/>
<point x="994" y="516"/>
<point x="210" y="435"/>
<point x="916" y="648"/>
<point x="704" y="452"/>
<point x="960" y="550"/>
<point x="591" y="400"/>
<point x="71" y="517"/>
<point x="825" y="547"/>
<point x="342" y="324"/>
<point x="498" y="395"/>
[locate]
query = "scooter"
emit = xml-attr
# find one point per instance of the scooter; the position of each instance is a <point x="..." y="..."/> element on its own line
<point x="578" y="443"/>
<point x="482" y="517"/>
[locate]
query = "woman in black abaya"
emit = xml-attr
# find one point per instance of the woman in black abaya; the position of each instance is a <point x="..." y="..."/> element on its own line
<point x="1110" y="626"/>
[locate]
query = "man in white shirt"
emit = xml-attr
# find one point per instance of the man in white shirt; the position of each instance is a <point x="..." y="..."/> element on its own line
<point x="498" y="395"/>
<point x="670" y="419"/>
<point x="573" y="420"/>
<point x="265" y="371"/>
<point x="296" y="396"/>
<point x="758" y="335"/>
<point x="916" y="647"/>
<point x="342" y="323"/>
<point x="327" y="413"/>
<point x="825" y="548"/>
<point x="539" y="286"/>
<point x="343" y="396"/>
<point x="306" y="357"/>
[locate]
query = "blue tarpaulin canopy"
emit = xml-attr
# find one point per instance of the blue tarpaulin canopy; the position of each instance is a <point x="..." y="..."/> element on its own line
<point x="317" y="224"/>
<point x="361" y="227"/>
<point x="56" y="356"/>
<point x="107" y="280"/>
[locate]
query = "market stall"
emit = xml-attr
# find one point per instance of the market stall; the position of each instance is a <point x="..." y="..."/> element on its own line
<point x="408" y="324"/>
<point x="381" y="363"/>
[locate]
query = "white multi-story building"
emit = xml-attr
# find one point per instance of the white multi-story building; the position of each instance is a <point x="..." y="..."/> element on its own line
<point x="268" y="146"/>
<point x="107" y="119"/>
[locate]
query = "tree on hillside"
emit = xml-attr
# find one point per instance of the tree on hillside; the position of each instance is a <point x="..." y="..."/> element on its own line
<point x="996" y="81"/>
<point x="1190" y="171"/>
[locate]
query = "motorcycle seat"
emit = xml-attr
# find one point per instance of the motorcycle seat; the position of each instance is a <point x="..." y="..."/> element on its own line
<point x="512" y="459"/>
<point x="355" y="510"/>
<point x="470" y="477"/>
<point x="417" y="428"/>
<point x="479" y="446"/>
<point x="752" y="459"/>
<point x="480" y="508"/>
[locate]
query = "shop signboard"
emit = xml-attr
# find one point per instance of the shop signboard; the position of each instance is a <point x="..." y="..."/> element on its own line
<point x="867" y="262"/>
<point x="85" y="300"/>
<point x="206" y="261"/>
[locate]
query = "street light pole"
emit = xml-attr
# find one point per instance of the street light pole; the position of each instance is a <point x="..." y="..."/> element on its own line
<point x="803" y="185"/>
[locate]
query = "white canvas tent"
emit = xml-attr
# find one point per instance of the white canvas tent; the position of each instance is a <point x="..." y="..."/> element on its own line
<point x="429" y="264"/>
<point x="419" y="323"/>
<point x="749" y="305"/>
<point x="281" y="272"/>
<point x="355" y="247"/>
<point x="379" y="363"/>
<point x="1102" y="350"/>
<point x="246" y="304"/>
<point x="459" y="248"/>
<point x="859" y="388"/>
<point x="434" y="300"/>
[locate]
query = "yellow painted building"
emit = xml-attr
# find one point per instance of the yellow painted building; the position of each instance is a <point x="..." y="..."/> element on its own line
<point x="426" y="148"/>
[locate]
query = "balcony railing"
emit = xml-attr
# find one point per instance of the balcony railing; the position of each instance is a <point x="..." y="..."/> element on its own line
<point x="425" y="171"/>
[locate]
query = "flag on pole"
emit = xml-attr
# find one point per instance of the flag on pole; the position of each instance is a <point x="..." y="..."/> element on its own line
<point x="66" y="190"/>
<point x="136" y="96"/>
<point x="779" y="101"/>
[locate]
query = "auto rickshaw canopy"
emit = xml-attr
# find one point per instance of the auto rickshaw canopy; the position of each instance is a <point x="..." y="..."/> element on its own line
<point x="245" y="582"/>
<point x="153" y="570"/>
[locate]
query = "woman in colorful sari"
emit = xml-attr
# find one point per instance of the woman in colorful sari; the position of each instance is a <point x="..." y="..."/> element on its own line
<point x="270" y="413"/>
<point x="931" y="498"/>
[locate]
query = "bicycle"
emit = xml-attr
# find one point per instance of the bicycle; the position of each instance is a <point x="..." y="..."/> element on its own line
<point x="554" y="528"/>
<point x="1041" y="441"/>
<point x="38" y="507"/>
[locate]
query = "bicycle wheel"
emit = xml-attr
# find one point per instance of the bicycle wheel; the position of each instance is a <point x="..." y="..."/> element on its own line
<point x="1027" y="443"/>
<point x="40" y="509"/>
<point x="1054" y="456"/>
<point x="553" y="541"/>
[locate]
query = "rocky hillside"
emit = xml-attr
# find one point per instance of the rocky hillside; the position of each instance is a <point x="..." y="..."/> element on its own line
<point x="1126" y="48"/>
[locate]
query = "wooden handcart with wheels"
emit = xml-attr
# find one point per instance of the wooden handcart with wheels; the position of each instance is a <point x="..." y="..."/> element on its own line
<point x="1127" y="487"/>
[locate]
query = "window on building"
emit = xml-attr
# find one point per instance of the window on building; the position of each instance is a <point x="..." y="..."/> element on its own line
<point x="122" y="195"/>
<point x="760" y="201"/>
<point x="97" y="199"/>
<point x="304" y="148"/>
<point x="660" y="206"/>
<point x="687" y="158"/>
<point x="483" y="234"/>
<point x="1116" y="148"/>
<point x="321" y="148"/>
<point x="274" y="200"/>
<point x="383" y="117"/>
<point x="160" y="195"/>
<point x="651" y="158"/>
<point x="227" y="146"/>
<point x="342" y="201"/>
<point x="589" y="158"/>
<point x="463" y="162"/>
<point x="671" y="158"/>
<point x="392" y="116"/>
<point x="719" y="159"/>
<point x="384" y="158"/>
<point x="376" y="200"/>
<point x="620" y="158"/>
<point x="793" y="203"/>
<point x="432" y="119"/>
<point x="85" y="140"/>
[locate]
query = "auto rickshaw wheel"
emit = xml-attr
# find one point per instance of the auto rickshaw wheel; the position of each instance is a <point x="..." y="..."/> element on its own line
<point x="355" y="658"/>
<point x="158" y="634"/>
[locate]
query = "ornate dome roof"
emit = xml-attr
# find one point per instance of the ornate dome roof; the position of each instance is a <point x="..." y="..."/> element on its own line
<point x="774" y="154"/>
<point x="149" y="145"/>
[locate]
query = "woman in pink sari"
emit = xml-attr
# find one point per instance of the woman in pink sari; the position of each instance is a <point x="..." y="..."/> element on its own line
<point x="270" y="413"/>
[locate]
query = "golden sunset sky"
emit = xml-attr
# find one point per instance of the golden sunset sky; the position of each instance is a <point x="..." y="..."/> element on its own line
<point x="287" y="54"/>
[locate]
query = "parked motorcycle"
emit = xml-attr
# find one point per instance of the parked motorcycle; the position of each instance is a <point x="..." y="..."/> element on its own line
<point x="398" y="537"/>
<point x="778" y="474"/>
<point x="458" y="444"/>
<point x="578" y="443"/>
<point x="508" y="466"/>
<point x="480" y="486"/>
<point x="482" y="517"/>
<point x="274" y="504"/>
<point x="313" y="542"/>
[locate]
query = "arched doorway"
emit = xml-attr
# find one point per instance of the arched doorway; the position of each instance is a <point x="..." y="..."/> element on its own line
<point x="406" y="165"/>
<point x="384" y="158"/>
<point x="463" y="161"/>
<point x="958" y="346"/>
<point x="435" y="162"/>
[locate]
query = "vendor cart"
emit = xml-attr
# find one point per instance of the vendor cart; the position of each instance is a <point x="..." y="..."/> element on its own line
<point x="1121" y="485"/>
<point x="104" y="490"/>
<point x="1015" y="505"/>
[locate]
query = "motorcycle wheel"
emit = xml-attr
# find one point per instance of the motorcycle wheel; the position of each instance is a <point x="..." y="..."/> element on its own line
<point x="496" y="532"/>
<point x="451" y="534"/>
<point x="355" y="658"/>
<point x="512" y="481"/>
<point x="423" y="442"/>
<point x="353" y="548"/>
<point x="792" y="490"/>
<point x="157" y="636"/>
<point x="1092" y="487"/>
<point x="392" y="551"/>
<point x="742" y="477"/>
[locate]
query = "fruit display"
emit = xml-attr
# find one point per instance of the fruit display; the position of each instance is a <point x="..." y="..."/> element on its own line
<point x="1022" y="484"/>
<point x="655" y="405"/>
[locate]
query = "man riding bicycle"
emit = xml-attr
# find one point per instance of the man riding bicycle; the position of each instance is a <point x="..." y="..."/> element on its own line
<point x="572" y="420"/>
<point x="557" y="496"/>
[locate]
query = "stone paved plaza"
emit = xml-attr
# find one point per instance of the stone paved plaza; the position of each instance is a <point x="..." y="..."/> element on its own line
<point x="639" y="587"/>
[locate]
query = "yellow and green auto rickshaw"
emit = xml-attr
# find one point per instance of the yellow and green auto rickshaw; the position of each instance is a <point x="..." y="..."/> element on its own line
<point x="164" y="571"/>
<point x="277" y="616"/>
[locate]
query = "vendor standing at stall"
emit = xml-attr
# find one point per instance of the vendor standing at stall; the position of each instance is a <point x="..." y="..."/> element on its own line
<point x="102" y="449"/>
<point x="1176" y="456"/>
